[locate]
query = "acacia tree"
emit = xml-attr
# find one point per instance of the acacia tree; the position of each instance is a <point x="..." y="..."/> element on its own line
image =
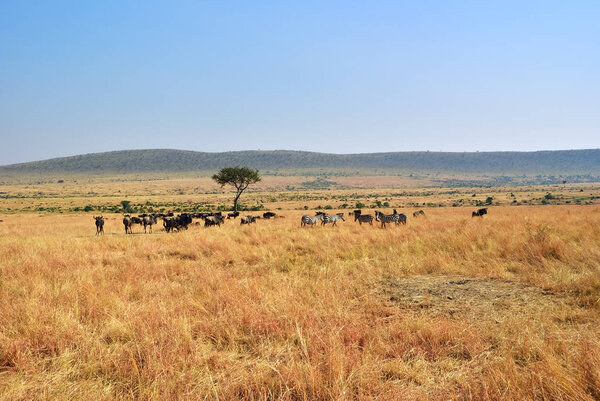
<point x="239" y="177"/>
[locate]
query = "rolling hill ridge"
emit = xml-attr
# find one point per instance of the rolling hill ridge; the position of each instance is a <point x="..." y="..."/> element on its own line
<point x="171" y="160"/>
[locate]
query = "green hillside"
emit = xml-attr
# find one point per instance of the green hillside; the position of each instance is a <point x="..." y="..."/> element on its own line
<point x="168" y="160"/>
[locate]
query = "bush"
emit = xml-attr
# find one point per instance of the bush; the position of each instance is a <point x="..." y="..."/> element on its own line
<point x="126" y="205"/>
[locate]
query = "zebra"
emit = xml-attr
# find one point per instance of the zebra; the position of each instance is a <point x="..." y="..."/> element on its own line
<point x="419" y="213"/>
<point x="402" y="218"/>
<point x="396" y="218"/>
<point x="311" y="220"/>
<point x="386" y="218"/>
<point x="363" y="218"/>
<point x="333" y="218"/>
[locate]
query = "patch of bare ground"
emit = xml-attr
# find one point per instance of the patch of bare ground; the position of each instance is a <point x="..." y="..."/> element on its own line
<point x="479" y="299"/>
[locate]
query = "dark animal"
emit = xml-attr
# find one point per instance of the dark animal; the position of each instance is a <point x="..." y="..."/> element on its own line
<point x="233" y="214"/>
<point x="479" y="212"/>
<point x="178" y="222"/>
<point x="402" y="218"/>
<point x="268" y="215"/>
<point x="248" y="220"/>
<point x="214" y="220"/>
<point x="419" y="213"/>
<point x="148" y="221"/>
<point x="169" y="223"/>
<point x="99" y="225"/>
<point x="127" y="223"/>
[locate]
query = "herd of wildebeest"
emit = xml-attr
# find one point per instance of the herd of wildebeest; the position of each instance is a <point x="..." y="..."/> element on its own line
<point x="182" y="221"/>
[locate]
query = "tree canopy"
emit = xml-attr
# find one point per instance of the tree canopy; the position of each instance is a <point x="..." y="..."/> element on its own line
<point x="238" y="177"/>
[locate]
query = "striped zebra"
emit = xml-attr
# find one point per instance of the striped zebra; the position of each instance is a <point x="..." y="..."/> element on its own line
<point x="333" y="218"/>
<point x="387" y="218"/>
<point x="363" y="218"/>
<point x="310" y="220"/>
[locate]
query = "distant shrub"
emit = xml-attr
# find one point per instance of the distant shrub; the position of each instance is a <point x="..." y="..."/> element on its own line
<point x="549" y="196"/>
<point x="360" y="205"/>
<point x="126" y="205"/>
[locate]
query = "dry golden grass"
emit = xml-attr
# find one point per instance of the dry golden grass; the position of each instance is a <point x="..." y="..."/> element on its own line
<point x="446" y="307"/>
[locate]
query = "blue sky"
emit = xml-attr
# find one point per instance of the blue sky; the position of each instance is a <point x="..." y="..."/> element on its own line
<point x="342" y="77"/>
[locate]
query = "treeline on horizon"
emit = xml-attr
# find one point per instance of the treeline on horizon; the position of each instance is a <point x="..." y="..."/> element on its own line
<point x="168" y="160"/>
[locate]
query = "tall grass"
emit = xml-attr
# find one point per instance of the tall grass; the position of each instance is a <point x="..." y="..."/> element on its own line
<point x="273" y="311"/>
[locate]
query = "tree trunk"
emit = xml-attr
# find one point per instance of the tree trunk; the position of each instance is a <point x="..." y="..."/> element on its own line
<point x="235" y="201"/>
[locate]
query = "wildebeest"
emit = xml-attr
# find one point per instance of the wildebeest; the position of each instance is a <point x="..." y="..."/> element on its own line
<point x="419" y="213"/>
<point x="99" y="225"/>
<point x="363" y="218"/>
<point x="310" y="220"/>
<point x="127" y="223"/>
<point x="214" y="220"/>
<point x="333" y="218"/>
<point x="248" y="220"/>
<point x="233" y="214"/>
<point x="178" y="222"/>
<point x="268" y="215"/>
<point x="479" y="212"/>
<point x="148" y="220"/>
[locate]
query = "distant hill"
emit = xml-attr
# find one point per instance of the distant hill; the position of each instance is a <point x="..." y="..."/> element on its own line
<point x="169" y="160"/>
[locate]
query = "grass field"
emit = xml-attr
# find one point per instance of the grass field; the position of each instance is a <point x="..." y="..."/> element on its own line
<point x="446" y="307"/>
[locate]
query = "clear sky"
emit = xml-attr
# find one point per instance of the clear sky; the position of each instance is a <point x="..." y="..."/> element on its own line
<point x="330" y="76"/>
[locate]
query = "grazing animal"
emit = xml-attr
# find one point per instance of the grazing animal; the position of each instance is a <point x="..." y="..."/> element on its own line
<point x="233" y="214"/>
<point x="311" y="220"/>
<point x="127" y="223"/>
<point x="178" y="222"/>
<point x="148" y="221"/>
<point x="388" y="218"/>
<point x="214" y="220"/>
<point x="333" y="218"/>
<point x="479" y="213"/>
<point x="363" y="218"/>
<point x="402" y="218"/>
<point x="169" y="223"/>
<point x="268" y="215"/>
<point x="99" y="225"/>
<point x="419" y="213"/>
<point x="248" y="220"/>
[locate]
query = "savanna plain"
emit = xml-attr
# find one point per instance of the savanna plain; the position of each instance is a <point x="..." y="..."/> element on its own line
<point x="506" y="306"/>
